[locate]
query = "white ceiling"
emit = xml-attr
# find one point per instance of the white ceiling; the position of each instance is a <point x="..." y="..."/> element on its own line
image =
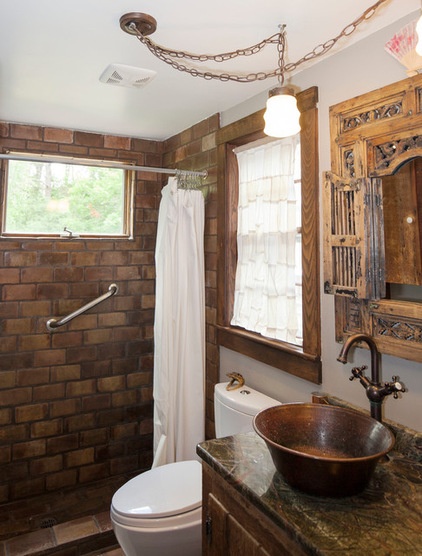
<point x="52" y="53"/>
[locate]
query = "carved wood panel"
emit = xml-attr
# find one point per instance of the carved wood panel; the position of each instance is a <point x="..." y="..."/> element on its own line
<point x="373" y="135"/>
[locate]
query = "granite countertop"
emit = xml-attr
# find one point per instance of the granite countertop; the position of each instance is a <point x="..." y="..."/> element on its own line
<point x="385" y="519"/>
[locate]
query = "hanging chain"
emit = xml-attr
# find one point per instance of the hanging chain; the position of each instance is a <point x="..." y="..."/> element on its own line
<point x="171" y="57"/>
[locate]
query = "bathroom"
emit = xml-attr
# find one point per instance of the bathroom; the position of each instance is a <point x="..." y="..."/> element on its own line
<point x="86" y="396"/>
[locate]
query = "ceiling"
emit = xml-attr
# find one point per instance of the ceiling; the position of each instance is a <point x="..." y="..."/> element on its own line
<point x="52" y="53"/>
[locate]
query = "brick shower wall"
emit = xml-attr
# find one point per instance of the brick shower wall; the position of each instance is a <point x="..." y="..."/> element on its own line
<point x="195" y="149"/>
<point x="76" y="405"/>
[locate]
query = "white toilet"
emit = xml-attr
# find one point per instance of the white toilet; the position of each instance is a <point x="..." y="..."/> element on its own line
<point x="159" y="511"/>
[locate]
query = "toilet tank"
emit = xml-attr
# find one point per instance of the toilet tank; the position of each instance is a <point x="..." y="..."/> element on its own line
<point x="235" y="409"/>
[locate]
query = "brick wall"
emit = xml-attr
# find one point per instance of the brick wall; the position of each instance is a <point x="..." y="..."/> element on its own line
<point x="195" y="149"/>
<point x="76" y="405"/>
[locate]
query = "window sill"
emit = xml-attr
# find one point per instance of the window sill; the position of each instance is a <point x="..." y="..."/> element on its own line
<point x="286" y="357"/>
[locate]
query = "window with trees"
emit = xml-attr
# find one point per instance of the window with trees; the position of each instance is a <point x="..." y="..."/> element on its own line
<point x="58" y="198"/>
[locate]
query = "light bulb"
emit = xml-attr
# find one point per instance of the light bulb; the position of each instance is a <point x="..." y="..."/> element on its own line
<point x="282" y="114"/>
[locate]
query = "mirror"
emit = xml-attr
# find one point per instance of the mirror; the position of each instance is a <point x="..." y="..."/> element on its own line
<point x="376" y="152"/>
<point x="402" y="202"/>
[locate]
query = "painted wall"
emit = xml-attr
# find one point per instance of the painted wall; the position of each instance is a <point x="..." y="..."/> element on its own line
<point x="358" y="69"/>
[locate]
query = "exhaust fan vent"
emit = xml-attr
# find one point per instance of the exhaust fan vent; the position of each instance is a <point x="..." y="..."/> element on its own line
<point x="127" y="76"/>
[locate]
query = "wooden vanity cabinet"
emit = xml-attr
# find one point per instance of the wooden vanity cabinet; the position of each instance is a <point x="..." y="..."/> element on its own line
<point x="232" y="526"/>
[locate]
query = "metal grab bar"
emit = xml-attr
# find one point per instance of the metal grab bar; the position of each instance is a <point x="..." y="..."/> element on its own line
<point x="54" y="323"/>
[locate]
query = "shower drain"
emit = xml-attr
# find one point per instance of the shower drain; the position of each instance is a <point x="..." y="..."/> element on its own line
<point x="47" y="522"/>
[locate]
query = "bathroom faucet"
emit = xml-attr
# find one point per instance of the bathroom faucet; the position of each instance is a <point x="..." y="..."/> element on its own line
<point x="375" y="391"/>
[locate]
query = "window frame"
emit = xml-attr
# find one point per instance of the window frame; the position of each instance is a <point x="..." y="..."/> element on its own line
<point x="128" y="184"/>
<point x="304" y="361"/>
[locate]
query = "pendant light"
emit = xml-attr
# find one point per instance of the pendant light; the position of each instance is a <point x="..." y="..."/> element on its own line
<point x="282" y="114"/>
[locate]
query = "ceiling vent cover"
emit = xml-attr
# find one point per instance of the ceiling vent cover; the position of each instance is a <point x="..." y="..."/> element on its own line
<point x="127" y="76"/>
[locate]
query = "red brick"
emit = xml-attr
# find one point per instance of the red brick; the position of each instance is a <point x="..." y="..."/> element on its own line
<point x="94" y="403"/>
<point x="84" y="259"/>
<point x="27" y="488"/>
<point x="8" y="380"/>
<point x="13" y="433"/>
<point x="46" y="465"/>
<point x="57" y="135"/>
<point x="64" y="407"/>
<point x="69" y="274"/>
<point x="25" y="131"/>
<point x="80" y="388"/>
<point x="60" y="444"/>
<point x="36" y="275"/>
<point x="124" y="399"/>
<point x="35" y="308"/>
<point x="9" y="275"/>
<point x="49" y="392"/>
<point x="52" y="291"/>
<point x="91" y="438"/>
<point x="18" y="292"/>
<point x="66" y="478"/>
<point x="5" y="416"/>
<point x="88" y="139"/>
<point x="34" y="412"/>
<point x="124" y="431"/>
<point x="5" y="456"/>
<point x="65" y="372"/>
<point x="15" y="396"/>
<point x="120" y="143"/>
<point x="95" y="472"/>
<point x="49" y="357"/>
<point x="17" y="326"/>
<point x="79" y="457"/>
<point x="98" y="336"/>
<point x="31" y="449"/>
<point x="9" y="310"/>
<point x="111" y="319"/>
<point x="111" y="384"/>
<point x="43" y="429"/>
<point x="34" y="342"/>
<point x="80" y="422"/>
<point x="8" y="344"/>
<point x="67" y="339"/>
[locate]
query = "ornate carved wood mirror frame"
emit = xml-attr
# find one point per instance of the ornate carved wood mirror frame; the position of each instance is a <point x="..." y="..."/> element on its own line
<point x="372" y="136"/>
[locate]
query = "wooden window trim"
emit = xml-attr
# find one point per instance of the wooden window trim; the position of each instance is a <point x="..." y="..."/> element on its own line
<point x="304" y="362"/>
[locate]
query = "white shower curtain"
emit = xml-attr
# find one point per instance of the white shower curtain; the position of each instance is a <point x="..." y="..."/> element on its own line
<point x="179" y="327"/>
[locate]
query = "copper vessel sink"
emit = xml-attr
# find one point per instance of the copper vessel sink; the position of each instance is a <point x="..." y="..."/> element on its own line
<point x="323" y="450"/>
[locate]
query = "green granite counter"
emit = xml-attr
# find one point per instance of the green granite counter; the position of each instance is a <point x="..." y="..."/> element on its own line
<point x="386" y="519"/>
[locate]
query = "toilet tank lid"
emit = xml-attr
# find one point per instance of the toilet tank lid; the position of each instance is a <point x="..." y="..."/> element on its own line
<point x="164" y="491"/>
<point x="244" y="399"/>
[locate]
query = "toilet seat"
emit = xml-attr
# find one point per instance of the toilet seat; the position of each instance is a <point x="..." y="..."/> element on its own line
<point x="158" y="494"/>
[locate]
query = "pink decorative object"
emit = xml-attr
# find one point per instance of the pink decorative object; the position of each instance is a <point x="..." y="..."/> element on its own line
<point x="402" y="47"/>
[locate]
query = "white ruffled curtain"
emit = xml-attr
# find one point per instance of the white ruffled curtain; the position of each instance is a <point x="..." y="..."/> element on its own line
<point x="268" y="276"/>
<point x="179" y="327"/>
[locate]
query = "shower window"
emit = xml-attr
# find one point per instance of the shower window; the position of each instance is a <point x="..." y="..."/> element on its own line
<point x="48" y="198"/>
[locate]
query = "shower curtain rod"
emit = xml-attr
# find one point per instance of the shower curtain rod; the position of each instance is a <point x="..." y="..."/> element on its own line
<point x="102" y="163"/>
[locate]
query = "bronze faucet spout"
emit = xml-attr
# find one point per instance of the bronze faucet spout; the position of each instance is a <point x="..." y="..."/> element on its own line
<point x="375" y="391"/>
<point x="352" y="340"/>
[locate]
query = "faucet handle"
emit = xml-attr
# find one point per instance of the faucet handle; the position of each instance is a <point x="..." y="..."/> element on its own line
<point x="396" y="386"/>
<point x="357" y="372"/>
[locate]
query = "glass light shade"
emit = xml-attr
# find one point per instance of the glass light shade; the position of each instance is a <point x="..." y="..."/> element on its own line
<point x="282" y="114"/>
<point x="419" y="33"/>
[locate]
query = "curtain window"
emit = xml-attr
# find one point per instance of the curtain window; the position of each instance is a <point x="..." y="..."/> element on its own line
<point x="268" y="285"/>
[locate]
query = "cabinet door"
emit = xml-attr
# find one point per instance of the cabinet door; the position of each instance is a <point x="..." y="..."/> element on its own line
<point x="354" y="238"/>
<point x="225" y="536"/>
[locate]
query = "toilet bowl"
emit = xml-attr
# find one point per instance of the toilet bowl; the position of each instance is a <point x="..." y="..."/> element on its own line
<point x="158" y="513"/>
